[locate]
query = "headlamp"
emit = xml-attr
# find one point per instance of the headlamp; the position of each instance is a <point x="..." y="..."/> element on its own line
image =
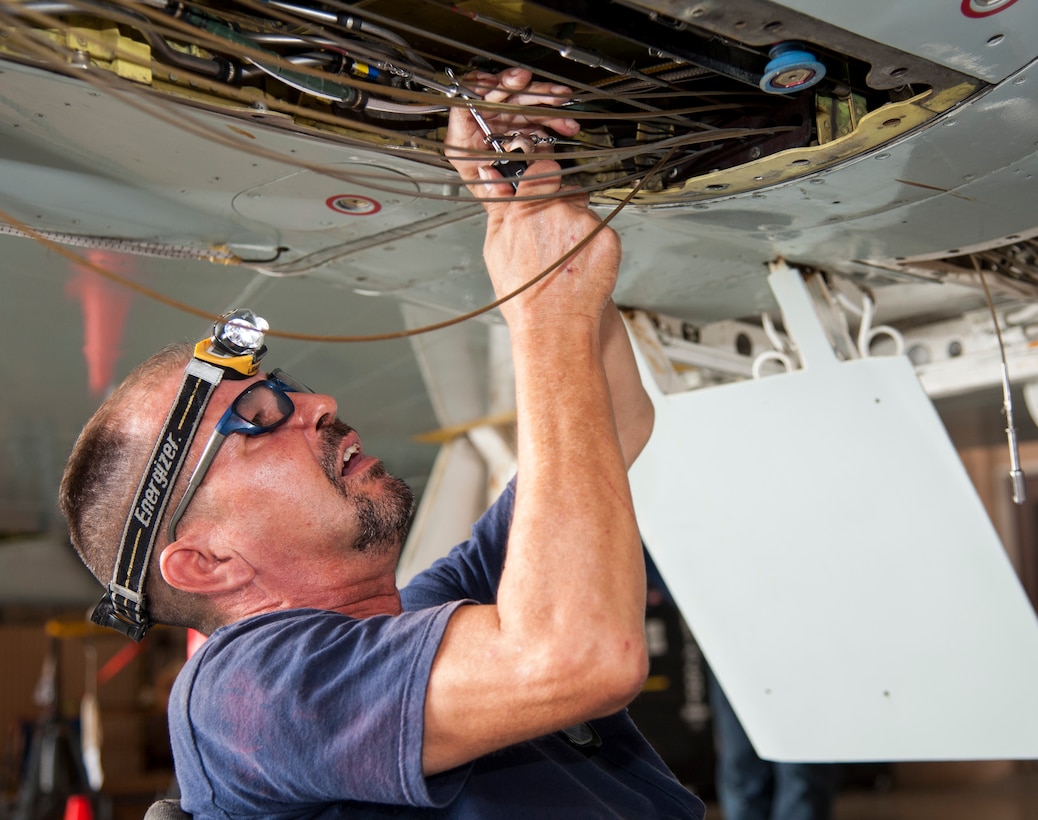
<point x="233" y="350"/>
<point x="235" y="344"/>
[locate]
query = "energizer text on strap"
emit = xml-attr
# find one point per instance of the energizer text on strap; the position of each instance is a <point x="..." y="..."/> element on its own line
<point x="122" y="607"/>
<point x="233" y="350"/>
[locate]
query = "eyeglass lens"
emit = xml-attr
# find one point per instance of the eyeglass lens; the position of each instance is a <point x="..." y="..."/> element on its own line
<point x="263" y="405"/>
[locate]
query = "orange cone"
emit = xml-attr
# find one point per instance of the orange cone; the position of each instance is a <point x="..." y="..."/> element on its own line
<point x="78" y="807"/>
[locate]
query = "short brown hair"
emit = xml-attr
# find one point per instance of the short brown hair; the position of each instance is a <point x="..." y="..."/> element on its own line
<point x="102" y="474"/>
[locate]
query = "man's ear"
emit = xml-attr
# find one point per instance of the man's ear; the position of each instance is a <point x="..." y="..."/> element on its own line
<point x="191" y="565"/>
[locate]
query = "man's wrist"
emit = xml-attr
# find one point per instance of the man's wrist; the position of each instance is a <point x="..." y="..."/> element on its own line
<point x="548" y="331"/>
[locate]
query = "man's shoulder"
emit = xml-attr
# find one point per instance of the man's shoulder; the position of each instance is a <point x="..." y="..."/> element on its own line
<point x="272" y="632"/>
<point x="298" y="690"/>
<point x="274" y="646"/>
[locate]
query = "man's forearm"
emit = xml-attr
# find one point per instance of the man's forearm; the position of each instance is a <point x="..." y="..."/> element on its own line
<point x="574" y="559"/>
<point x="632" y="407"/>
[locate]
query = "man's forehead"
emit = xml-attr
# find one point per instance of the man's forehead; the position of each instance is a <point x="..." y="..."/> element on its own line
<point x="157" y="401"/>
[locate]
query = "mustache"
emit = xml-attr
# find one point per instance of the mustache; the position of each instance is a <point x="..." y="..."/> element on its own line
<point x="384" y="519"/>
<point x="332" y="435"/>
<point x="335" y="431"/>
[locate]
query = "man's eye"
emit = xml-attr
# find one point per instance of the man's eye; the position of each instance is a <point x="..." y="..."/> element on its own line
<point x="264" y="416"/>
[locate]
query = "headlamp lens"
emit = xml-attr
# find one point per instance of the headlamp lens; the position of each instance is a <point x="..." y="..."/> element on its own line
<point x="240" y="331"/>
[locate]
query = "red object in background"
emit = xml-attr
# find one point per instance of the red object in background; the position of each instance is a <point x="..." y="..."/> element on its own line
<point x="194" y="640"/>
<point x="78" y="807"/>
<point x="976" y="10"/>
<point x="105" y="306"/>
<point x="118" y="662"/>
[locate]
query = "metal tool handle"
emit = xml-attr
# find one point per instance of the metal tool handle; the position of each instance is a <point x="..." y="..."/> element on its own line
<point x="511" y="169"/>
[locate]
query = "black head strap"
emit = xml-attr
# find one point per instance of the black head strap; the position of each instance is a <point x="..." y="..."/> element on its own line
<point x="122" y="607"/>
<point x="233" y="351"/>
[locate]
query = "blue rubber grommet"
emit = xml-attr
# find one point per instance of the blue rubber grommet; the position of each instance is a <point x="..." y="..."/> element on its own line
<point x="792" y="68"/>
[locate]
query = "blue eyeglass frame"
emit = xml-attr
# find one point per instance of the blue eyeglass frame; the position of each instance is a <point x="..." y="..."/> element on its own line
<point x="278" y="383"/>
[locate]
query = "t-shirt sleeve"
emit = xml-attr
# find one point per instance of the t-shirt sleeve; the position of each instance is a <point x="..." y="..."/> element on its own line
<point x="473" y="568"/>
<point x="309" y="707"/>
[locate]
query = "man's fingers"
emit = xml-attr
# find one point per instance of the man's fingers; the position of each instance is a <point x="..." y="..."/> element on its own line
<point x="514" y="79"/>
<point x="492" y="188"/>
<point x="580" y="198"/>
<point x="520" y="142"/>
<point x="536" y="94"/>
<point x="481" y="82"/>
<point x="548" y="183"/>
<point x="514" y="87"/>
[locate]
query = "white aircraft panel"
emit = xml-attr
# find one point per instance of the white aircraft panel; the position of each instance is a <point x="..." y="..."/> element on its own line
<point x="829" y="552"/>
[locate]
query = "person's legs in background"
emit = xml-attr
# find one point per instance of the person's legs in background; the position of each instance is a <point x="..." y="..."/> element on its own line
<point x="804" y="791"/>
<point x="744" y="782"/>
<point x="749" y="788"/>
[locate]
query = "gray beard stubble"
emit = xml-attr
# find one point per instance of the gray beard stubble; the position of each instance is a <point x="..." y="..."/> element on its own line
<point x="384" y="519"/>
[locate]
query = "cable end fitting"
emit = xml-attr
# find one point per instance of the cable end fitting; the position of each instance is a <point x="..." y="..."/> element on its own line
<point x="1019" y="486"/>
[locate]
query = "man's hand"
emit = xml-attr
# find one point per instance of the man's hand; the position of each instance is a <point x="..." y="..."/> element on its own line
<point x="532" y="227"/>
<point x="526" y="236"/>
<point x="514" y="87"/>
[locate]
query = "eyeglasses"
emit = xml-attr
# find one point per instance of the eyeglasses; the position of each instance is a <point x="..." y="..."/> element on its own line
<point x="260" y="408"/>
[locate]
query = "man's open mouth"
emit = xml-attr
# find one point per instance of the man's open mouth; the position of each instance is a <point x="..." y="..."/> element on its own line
<point x="347" y="457"/>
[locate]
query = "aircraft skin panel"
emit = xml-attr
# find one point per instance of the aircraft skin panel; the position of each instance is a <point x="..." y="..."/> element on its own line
<point x="82" y="203"/>
<point x="875" y="130"/>
<point x="983" y="39"/>
<point x="988" y="40"/>
<point x="201" y="161"/>
<point x="697" y="259"/>
<point x="953" y="191"/>
<point x="296" y="202"/>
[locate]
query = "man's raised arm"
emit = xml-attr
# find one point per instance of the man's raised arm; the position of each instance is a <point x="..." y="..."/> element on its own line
<point x="631" y="404"/>
<point x="565" y="641"/>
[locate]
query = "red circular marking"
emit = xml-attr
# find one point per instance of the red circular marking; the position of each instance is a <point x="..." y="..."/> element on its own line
<point x="353" y="204"/>
<point x="970" y="11"/>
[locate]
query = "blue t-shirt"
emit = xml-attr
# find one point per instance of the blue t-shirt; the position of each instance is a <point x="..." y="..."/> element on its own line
<point x="313" y="714"/>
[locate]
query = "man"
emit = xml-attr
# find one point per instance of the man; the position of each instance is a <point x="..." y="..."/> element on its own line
<point x="485" y="689"/>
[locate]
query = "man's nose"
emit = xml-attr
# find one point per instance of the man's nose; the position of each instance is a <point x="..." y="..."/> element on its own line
<point x="313" y="410"/>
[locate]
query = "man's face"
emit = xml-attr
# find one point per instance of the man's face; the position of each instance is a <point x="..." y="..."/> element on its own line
<point x="304" y="487"/>
<point x="382" y="503"/>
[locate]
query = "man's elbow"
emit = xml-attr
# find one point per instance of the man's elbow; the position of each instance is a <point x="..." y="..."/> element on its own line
<point x="621" y="673"/>
<point x="628" y="676"/>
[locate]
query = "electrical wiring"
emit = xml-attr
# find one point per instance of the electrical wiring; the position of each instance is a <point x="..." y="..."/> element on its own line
<point x="783" y="354"/>
<point x="1016" y="473"/>
<point x="866" y="332"/>
<point x="413" y="92"/>
<point x="599" y="159"/>
<point x="154" y="295"/>
<point x="376" y="77"/>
